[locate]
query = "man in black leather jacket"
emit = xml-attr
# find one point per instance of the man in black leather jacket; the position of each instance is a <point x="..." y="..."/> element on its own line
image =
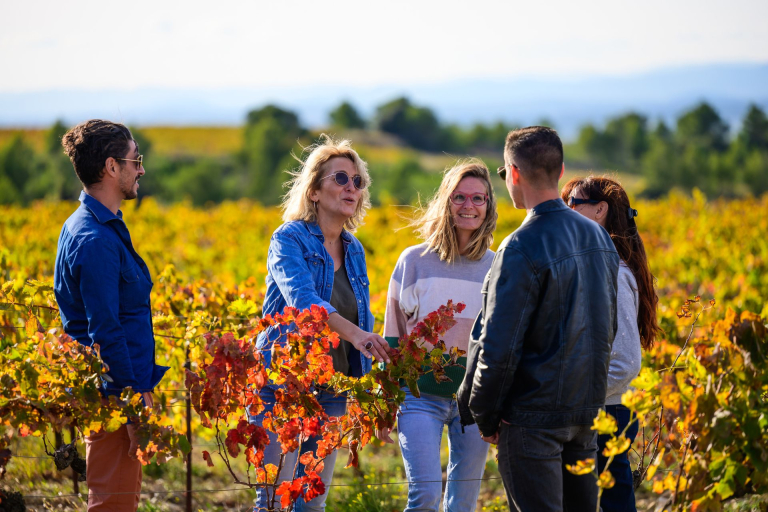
<point x="538" y="357"/>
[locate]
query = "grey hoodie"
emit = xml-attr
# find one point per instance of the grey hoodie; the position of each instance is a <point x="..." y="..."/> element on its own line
<point x="625" y="354"/>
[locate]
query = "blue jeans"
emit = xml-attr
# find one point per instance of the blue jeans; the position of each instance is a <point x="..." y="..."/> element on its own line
<point x="620" y="497"/>
<point x="532" y="466"/>
<point x="420" y="430"/>
<point x="334" y="406"/>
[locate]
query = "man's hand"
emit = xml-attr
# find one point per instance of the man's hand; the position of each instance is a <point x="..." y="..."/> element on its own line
<point x="134" y="441"/>
<point x="494" y="439"/>
<point x="383" y="435"/>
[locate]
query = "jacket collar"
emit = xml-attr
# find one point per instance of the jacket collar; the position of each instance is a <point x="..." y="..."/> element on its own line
<point x="314" y="228"/>
<point x="552" y="205"/>
<point x="101" y="212"/>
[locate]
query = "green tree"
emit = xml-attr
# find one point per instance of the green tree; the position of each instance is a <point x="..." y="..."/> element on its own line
<point x="345" y="116"/>
<point x="703" y="127"/>
<point x="597" y="145"/>
<point x="271" y="133"/>
<point x="200" y="181"/>
<point x="17" y="165"/>
<point x="417" y="126"/>
<point x="754" y="129"/>
<point x="59" y="176"/>
<point x="629" y="134"/>
<point x="658" y="165"/>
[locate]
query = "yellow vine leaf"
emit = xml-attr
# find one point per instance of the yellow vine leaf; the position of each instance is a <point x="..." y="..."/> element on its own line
<point x="606" y="480"/>
<point x="605" y="424"/>
<point x="582" y="467"/>
<point x="616" y="446"/>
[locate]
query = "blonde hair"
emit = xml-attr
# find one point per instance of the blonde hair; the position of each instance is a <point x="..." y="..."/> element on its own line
<point x="296" y="203"/>
<point x="436" y="225"/>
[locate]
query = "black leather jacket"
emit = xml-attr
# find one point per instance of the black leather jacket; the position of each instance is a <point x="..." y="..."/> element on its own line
<point x="540" y="347"/>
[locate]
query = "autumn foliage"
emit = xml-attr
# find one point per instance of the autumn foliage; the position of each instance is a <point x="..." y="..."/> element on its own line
<point x="226" y="390"/>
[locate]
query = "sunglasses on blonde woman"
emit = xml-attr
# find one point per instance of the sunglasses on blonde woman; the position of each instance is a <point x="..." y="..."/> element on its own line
<point x="341" y="178"/>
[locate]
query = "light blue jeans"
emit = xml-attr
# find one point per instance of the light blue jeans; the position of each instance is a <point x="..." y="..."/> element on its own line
<point x="334" y="406"/>
<point x="420" y="430"/>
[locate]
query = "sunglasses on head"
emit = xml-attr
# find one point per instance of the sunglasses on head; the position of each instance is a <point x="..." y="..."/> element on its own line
<point x="139" y="161"/>
<point x="459" y="199"/>
<point x="342" y="178"/>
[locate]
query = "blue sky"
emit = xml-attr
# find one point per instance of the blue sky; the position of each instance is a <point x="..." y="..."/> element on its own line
<point x="89" y="45"/>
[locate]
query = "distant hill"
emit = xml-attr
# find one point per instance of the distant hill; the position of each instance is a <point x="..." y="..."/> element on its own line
<point x="567" y="101"/>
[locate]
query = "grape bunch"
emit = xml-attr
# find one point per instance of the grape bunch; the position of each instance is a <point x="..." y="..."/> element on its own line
<point x="79" y="466"/>
<point x="12" y="502"/>
<point x="65" y="456"/>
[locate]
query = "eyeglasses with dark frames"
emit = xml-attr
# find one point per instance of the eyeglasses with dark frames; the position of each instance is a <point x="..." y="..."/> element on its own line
<point x="459" y="199"/>
<point x="342" y="178"/>
<point x="575" y="201"/>
<point x="139" y="161"/>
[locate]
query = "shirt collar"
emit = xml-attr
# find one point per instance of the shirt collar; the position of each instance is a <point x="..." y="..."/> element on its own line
<point x="314" y="228"/>
<point x="552" y="205"/>
<point x="101" y="212"/>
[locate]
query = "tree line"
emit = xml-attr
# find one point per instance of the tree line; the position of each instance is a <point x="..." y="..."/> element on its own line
<point x="699" y="151"/>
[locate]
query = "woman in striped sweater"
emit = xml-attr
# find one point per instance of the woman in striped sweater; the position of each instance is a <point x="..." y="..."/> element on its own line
<point x="457" y="227"/>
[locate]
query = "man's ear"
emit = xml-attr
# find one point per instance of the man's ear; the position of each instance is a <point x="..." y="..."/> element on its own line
<point x="562" y="171"/>
<point x="111" y="167"/>
<point x="515" y="175"/>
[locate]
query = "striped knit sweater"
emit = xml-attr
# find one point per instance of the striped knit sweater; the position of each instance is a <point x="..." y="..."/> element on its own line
<point x="420" y="284"/>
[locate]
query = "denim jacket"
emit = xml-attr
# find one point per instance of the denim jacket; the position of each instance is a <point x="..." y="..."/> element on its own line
<point x="539" y="351"/>
<point x="300" y="273"/>
<point x="102" y="288"/>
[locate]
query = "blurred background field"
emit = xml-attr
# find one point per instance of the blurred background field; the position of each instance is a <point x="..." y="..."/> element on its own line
<point x="406" y="146"/>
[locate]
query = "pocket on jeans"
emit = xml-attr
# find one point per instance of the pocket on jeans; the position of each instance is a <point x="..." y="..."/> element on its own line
<point x="542" y="442"/>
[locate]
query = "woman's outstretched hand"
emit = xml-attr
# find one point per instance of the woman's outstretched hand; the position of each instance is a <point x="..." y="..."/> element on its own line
<point x="368" y="343"/>
<point x="372" y="345"/>
<point x="383" y="435"/>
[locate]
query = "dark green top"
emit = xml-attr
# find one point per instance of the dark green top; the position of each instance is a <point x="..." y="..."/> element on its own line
<point x="343" y="299"/>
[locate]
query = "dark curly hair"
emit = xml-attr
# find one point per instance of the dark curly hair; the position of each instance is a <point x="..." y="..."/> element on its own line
<point x="623" y="230"/>
<point x="89" y="144"/>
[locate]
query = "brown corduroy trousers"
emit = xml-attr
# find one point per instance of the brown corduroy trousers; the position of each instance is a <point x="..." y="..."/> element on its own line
<point x="114" y="480"/>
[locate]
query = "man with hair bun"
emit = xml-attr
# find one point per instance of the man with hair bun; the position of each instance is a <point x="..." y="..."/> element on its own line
<point x="538" y="356"/>
<point x="102" y="287"/>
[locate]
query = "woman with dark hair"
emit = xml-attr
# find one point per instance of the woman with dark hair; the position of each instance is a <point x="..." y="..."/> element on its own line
<point x="603" y="200"/>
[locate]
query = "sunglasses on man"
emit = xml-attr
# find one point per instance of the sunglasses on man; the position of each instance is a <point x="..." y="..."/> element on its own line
<point x="342" y="178"/>
<point x="139" y="161"/>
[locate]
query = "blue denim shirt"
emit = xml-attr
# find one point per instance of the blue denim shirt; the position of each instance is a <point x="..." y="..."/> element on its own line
<point x="102" y="287"/>
<point x="300" y="273"/>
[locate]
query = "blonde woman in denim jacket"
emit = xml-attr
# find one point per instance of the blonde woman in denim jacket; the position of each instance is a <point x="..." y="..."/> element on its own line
<point x="314" y="259"/>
